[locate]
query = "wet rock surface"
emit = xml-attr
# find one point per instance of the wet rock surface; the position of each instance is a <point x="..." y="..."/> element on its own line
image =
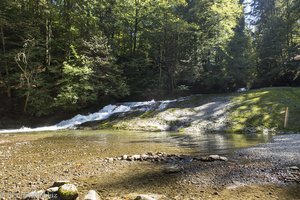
<point x="211" y="115"/>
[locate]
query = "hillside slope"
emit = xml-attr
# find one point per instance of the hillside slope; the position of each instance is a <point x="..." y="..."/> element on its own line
<point x="265" y="108"/>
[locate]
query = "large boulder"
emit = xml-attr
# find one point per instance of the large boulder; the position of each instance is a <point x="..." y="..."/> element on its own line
<point x="68" y="192"/>
<point x="92" y="195"/>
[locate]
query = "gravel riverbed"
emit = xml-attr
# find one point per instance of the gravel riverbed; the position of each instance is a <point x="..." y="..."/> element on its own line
<point x="266" y="171"/>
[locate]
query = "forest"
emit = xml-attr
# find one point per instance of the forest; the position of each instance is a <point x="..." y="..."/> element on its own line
<point x="71" y="54"/>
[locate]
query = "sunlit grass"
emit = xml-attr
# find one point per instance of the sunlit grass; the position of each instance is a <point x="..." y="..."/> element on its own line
<point x="265" y="108"/>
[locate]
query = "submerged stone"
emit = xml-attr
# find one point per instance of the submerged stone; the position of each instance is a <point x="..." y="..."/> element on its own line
<point x="173" y="169"/>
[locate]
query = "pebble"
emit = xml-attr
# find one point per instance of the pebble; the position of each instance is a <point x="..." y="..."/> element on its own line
<point x="294" y="168"/>
<point x="124" y="157"/>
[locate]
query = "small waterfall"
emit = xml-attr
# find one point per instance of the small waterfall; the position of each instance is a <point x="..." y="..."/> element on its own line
<point x="102" y="114"/>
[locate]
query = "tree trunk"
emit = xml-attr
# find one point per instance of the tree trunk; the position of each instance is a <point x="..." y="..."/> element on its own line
<point x="136" y="21"/>
<point x="48" y="41"/>
<point x="7" y="82"/>
<point x="68" y="24"/>
<point x="27" y="96"/>
<point x="289" y="31"/>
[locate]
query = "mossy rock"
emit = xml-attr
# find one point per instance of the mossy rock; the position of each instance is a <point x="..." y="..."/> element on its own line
<point x="68" y="192"/>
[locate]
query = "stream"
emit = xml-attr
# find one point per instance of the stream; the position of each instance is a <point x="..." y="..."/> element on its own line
<point x="32" y="161"/>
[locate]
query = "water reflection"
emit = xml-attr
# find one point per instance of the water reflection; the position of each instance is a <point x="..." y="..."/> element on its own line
<point x="119" y="142"/>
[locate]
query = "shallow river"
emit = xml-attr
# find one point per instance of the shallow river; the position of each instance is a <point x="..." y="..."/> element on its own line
<point x="116" y="143"/>
<point x="31" y="161"/>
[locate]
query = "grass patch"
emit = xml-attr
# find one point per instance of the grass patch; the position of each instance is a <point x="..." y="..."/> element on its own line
<point x="266" y="108"/>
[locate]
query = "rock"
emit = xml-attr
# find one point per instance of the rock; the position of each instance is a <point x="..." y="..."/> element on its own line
<point x="92" y="195"/>
<point x="144" y="157"/>
<point x="150" y="154"/>
<point x="110" y="160"/>
<point x="52" y="190"/>
<point x="144" y="197"/>
<point x="68" y="192"/>
<point x="214" y="157"/>
<point x="35" y="195"/>
<point x="294" y="168"/>
<point x="129" y="158"/>
<point x="223" y="158"/>
<point x="124" y="157"/>
<point x="217" y="157"/>
<point x="173" y="169"/>
<point x="136" y="157"/>
<point x="156" y="157"/>
<point x="60" y="183"/>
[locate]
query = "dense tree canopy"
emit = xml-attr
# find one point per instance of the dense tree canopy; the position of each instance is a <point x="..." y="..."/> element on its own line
<point x="69" y="54"/>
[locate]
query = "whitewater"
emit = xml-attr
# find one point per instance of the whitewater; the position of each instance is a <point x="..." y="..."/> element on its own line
<point x="102" y="114"/>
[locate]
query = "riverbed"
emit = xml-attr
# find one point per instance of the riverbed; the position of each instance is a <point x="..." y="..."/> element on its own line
<point x="33" y="161"/>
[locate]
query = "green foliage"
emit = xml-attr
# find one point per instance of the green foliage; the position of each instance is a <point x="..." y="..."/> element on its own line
<point x="84" y="52"/>
<point x="277" y="36"/>
<point x="76" y="90"/>
<point x="90" y="74"/>
<point x="239" y="62"/>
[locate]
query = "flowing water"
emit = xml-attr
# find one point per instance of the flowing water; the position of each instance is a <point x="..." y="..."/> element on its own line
<point x="102" y="114"/>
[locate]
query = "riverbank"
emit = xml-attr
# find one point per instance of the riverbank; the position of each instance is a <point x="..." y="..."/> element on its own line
<point x="267" y="171"/>
<point x="254" y="111"/>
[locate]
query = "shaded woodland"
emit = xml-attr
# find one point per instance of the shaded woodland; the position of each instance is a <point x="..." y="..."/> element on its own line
<point x="66" y="55"/>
